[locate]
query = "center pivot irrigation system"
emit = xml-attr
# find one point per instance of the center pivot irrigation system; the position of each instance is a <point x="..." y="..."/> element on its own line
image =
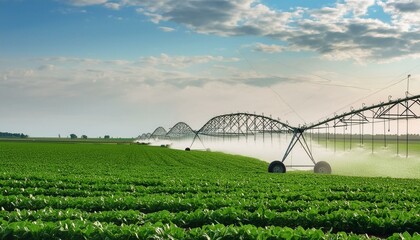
<point x="250" y="125"/>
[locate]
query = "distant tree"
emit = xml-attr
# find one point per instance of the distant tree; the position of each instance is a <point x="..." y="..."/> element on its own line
<point x="106" y="136"/>
<point x="84" y="136"/>
<point x="73" y="136"/>
<point x="12" y="135"/>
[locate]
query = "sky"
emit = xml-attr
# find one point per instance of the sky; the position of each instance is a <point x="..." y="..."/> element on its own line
<point x="126" y="67"/>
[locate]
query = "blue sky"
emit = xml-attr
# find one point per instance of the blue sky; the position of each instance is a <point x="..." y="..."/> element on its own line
<point x="124" y="67"/>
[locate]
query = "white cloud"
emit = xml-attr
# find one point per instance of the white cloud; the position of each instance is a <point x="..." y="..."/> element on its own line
<point x="112" y="5"/>
<point x="155" y="18"/>
<point x="405" y="14"/>
<point x="68" y="76"/>
<point x="332" y="14"/>
<point x="236" y="17"/>
<point x="115" y="17"/>
<point x="184" y="61"/>
<point x="86" y="2"/>
<point x="46" y="67"/>
<point x="343" y="30"/>
<point x="67" y="11"/>
<point x="359" y="7"/>
<point x="329" y="31"/>
<point x="167" y="29"/>
<point x="273" y="48"/>
<point x="104" y="92"/>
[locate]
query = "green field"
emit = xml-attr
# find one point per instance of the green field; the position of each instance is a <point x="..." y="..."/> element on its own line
<point x="127" y="191"/>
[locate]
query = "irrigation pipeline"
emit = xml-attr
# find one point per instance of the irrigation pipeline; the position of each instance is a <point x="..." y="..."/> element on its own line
<point x="245" y="124"/>
<point x="233" y="124"/>
<point x="381" y="105"/>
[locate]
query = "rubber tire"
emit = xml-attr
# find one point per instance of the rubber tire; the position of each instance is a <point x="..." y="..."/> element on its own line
<point x="187" y="149"/>
<point x="322" y="167"/>
<point x="276" y="167"/>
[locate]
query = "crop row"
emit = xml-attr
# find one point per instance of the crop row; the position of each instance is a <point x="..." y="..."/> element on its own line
<point x="209" y="192"/>
<point x="379" y="222"/>
<point x="153" y="203"/>
<point x="201" y="180"/>
<point x="77" y="229"/>
<point x="321" y="188"/>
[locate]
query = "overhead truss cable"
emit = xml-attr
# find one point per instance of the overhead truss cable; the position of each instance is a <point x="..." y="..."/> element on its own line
<point x="378" y="91"/>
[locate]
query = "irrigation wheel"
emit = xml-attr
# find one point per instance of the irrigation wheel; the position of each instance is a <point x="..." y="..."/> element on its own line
<point x="322" y="167"/>
<point x="276" y="167"/>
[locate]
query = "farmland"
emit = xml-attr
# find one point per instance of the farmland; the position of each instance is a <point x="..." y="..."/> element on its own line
<point x="126" y="191"/>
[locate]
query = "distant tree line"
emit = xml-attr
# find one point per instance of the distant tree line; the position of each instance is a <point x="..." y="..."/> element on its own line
<point x="12" y="135"/>
<point x="74" y="136"/>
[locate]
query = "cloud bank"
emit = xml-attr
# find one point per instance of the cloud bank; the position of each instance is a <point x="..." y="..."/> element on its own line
<point x="345" y="30"/>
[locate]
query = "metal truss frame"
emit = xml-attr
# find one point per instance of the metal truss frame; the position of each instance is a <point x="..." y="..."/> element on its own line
<point x="241" y="124"/>
<point x="159" y="132"/>
<point x="298" y="136"/>
<point x="180" y="130"/>
<point x="390" y="110"/>
<point x="145" y="136"/>
<point x="245" y="124"/>
<point x="383" y="110"/>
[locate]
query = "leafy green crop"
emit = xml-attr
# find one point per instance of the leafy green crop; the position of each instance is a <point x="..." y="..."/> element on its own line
<point x="116" y="191"/>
